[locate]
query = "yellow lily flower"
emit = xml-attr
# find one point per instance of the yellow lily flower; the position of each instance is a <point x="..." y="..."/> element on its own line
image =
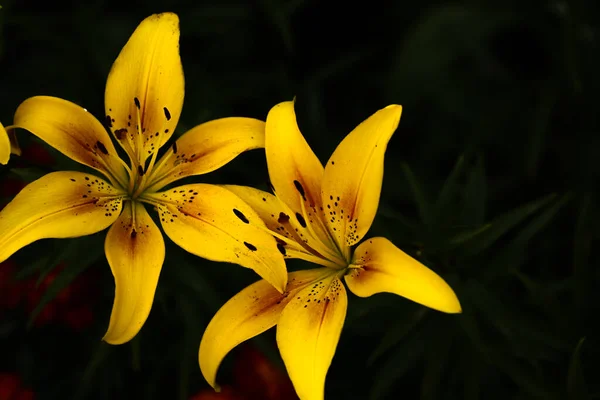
<point x="318" y="214"/>
<point x="143" y="100"/>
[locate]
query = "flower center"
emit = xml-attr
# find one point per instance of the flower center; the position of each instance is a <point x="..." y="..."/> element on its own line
<point x="142" y="148"/>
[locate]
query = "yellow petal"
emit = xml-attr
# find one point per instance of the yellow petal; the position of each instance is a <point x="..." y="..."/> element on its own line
<point x="308" y="332"/>
<point x="212" y="222"/>
<point x="267" y="206"/>
<point x="73" y="131"/>
<point x="353" y="176"/>
<point x="4" y="145"/>
<point x="382" y="267"/>
<point x="296" y="172"/>
<point x="295" y="240"/>
<point x="206" y="148"/>
<point x="135" y="250"/>
<point x="249" y="313"/>
<point x="58" y="205"/>
<point x="147" y="80"/>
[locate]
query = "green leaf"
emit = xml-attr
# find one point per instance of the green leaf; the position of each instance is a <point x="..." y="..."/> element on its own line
<point x="522" y="376"/>
<point x="466" y="235"/>
<point x="190" y="275"/>
<point x="396" y="334"/>
<point x="28" y="174"/>
<point x="505" y="222"/>
<point x="542" y="220"/>
<point x="576" y="387"/>
<point x="474" y="195"/>
<point x="403" y="359"/>
<point x="421" y="201"/>
<point x="541" y="120"/>
<point x="96" y="361"/>
<point x="450" y="187"/>
<point x="583" y="272"/>
<point x="436" y="359"/>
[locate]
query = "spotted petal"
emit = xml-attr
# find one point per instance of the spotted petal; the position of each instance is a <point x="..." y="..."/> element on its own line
<point x="73" y="131"/>
<point x="206" y="148"/>
<point x="146" y="81"/>
<point x="296" y="174"/>
<point x="353" y="176"/>
<point x="382" y="267"/>
<point x="58" y="205"/>
<point x="135" y="250"/>
<point x="294" y="170"/>
<point x="213" y="223"/>
<point x="249" y="313"/>
<point x="308" y="332"/>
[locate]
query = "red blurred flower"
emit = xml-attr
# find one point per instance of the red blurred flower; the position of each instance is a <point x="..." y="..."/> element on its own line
<point x="71" y="306"/>
<point x="11" y="291"/>
<point x="35" y="153"/>
<point x="254" y="378"/>
<point x="11" y="388"/>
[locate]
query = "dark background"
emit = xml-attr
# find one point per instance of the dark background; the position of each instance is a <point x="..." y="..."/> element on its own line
<point x="490" y="180"/>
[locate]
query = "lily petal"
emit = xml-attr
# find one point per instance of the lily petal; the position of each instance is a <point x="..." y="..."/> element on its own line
<point x="296" y="172"/>
<point x="58" y="205"/>
<point x="382" y="267"/>
<point x="276" y="216"/>
<point x="4" y="146"/>
<point x="73" y="131"/>
<point x="249" y="313"/>
<point x="206" y="148"/>
<point x="267" y="206"/>
<point x="213" y="223"/>
<point x="308" y="332"/>
<point x="135" y="250"/>
<point x="353" y="176"/>
<point x="146" y="80"/>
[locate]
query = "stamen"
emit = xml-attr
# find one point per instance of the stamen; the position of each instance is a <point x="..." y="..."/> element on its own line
<point x="323" y="248"/>
<point x="113" y="176"/>
<point x="147" y="171"/>
<point x="139" y="140"/>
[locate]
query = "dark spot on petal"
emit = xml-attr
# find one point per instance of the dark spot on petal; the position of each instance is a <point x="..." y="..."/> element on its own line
<point x="301" y="220"/>
<point x="101" y="147"/>
<point x="241" y="216"/>
<point x="133" y="234"/>
<point x="283" y="218"/>
<point x="137" y="102"/>
<point x="108" y="121"/>
<point x="250" y="246"/>
<point x="299" y="188"/>
<point x="72" y="180"/>
<point x="174" y="147"/>
<point x="120" y="133"/>
<point x="281" y="248"/>
<point x="166" y="131"/>
<point x="167" y="113"/>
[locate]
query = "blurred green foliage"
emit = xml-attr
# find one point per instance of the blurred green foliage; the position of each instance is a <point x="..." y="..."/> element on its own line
<point x="491" y="180"/>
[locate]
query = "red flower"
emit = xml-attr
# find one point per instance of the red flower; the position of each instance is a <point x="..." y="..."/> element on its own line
<point x="11" y="291"/>
<point x="71" y="306"/>
<point x="11" y="388"/>
<point x="255" y="378"/>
